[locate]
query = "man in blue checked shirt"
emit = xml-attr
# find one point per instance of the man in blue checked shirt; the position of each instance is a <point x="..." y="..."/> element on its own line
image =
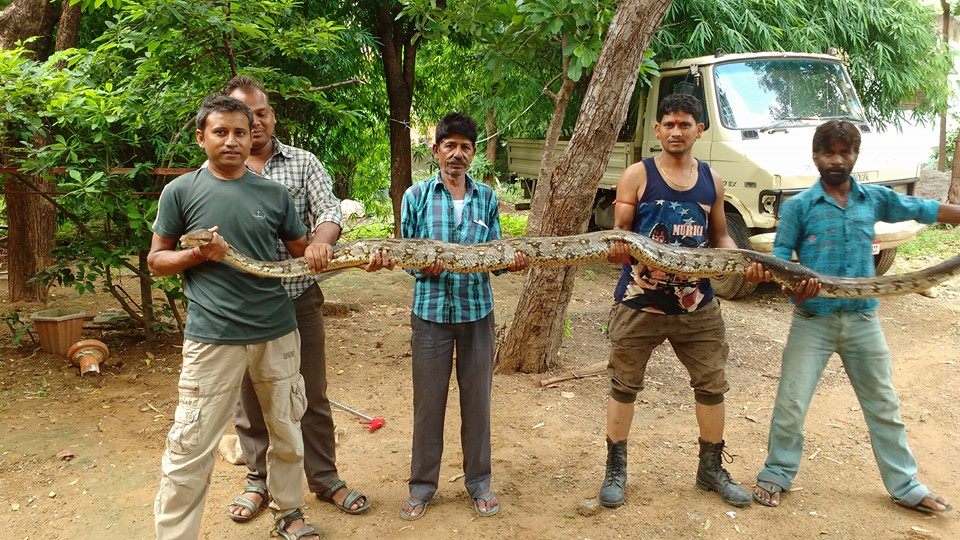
<point x="830" y="227"/>
<point x="451" y="311"/>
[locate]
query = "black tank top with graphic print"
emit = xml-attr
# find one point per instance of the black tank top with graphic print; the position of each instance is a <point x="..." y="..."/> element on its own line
<point x="678" y="218"/>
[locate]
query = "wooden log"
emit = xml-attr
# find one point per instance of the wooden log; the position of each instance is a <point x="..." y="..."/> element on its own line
<point x="589" y="371"/>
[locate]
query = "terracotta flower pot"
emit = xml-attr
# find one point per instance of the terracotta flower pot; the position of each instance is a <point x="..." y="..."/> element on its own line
<point x="88" y="354"/>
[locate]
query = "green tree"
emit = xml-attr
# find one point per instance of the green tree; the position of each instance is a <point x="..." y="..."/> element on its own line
<point x="128" y="101"/>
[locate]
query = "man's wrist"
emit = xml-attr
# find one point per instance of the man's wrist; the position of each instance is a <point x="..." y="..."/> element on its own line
<point x="197" y="254"/>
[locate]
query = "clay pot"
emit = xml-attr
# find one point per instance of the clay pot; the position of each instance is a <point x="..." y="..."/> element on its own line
<point x="87" y="354"/>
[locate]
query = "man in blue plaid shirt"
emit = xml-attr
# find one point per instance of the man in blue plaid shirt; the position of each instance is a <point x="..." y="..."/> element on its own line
<point x="451" y="311"/>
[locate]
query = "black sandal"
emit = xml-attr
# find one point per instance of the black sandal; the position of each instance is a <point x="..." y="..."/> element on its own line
<point x="352" y="497"/>
<point x="770" y="488"/>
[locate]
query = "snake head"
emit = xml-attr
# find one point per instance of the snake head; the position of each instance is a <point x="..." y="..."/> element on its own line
<point x="199" y="237"/>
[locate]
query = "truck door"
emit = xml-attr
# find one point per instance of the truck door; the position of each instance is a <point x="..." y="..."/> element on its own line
<point x="660" y="89"/>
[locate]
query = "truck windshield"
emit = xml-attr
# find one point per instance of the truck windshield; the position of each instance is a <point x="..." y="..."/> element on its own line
<point x="783" y="92"/>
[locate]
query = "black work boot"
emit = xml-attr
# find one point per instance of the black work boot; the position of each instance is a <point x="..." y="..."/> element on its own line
<point x="711" y="476"/>
<point x="615" y="479"/>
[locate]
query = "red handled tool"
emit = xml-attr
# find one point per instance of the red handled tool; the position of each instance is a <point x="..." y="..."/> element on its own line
<point x="372" y="423"/>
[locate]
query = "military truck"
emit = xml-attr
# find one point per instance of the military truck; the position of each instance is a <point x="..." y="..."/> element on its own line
<point x="760" y="112"/>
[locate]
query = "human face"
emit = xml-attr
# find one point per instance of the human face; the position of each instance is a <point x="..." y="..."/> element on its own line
<point x="835" y="163"/>
<point x="454" y="154"/>
<point x="677" y="132"/>
<point x="226" y="140"/>
<point x="264" y="120"/>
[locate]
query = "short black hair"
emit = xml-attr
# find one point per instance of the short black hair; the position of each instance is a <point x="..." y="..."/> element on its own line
<point x="675" y="103"/>
<point x="221" y="104"/>
<point x="833" y="131"/>
<point x="244" y="83"/>
<point x="457" y="124"/>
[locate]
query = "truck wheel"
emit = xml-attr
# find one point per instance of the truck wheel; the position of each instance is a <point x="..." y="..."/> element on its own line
<point x="883" y="261"/>
<point x="601" y="218"/>
<point x="735" y="286"/>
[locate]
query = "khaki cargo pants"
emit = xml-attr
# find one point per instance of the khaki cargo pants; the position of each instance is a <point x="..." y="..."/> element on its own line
<point x="209" y="386"/>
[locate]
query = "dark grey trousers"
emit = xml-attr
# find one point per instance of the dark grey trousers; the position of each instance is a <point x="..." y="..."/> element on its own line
<point x="319" y="449"/>
<point x="433" y="346"/>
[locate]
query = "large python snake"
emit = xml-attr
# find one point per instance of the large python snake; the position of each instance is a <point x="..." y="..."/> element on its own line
<point x="586" y="248"/>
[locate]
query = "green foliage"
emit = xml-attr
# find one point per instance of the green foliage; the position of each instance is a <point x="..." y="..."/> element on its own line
<point x="938" y="241"/>
<point x="511" y="192"/>
<point x="19" y="328"/>
<point x="382" y="228"/>
<point x="480" y="167"/>
<point x="513" y="225"/>
<point x="126" y="99"/>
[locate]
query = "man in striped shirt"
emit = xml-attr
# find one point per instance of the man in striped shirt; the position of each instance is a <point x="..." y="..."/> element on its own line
<point x="451" y="311"/>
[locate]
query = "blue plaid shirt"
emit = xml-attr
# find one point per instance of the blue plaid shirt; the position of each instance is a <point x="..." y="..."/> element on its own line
<point x="837" y="241"/>
<point x="427" y="212"/>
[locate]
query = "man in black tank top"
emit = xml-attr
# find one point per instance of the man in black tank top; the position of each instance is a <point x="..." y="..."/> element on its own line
<point x="676" y="199"/>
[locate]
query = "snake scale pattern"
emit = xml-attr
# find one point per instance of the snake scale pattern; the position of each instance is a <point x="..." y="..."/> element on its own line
<point x="587" y="248"/>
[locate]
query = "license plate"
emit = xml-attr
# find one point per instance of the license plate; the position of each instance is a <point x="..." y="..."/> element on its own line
<point x="876" y="249"/>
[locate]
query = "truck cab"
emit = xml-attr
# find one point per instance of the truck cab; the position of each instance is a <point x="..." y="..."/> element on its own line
<point x="760" y="112"/>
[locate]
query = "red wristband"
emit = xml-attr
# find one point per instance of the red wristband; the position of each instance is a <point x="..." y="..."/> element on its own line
<point x="197" y="254"/>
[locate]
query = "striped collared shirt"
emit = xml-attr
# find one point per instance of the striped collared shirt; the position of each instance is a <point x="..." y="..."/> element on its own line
<point x="312" y="189"/>
<point x="837" y="241"/>
<point x="427" y="212"/>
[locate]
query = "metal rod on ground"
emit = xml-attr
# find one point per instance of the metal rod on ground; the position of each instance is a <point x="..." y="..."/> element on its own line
<point x="373" y="423"/>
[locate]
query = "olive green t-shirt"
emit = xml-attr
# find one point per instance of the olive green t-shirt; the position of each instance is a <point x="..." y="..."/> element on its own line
<point x="228" y="305"/>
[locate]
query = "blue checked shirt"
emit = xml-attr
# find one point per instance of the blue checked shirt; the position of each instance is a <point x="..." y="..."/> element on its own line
<point x="837" y="241"/>
<point x="427" y="212"/>
<point x="312" y="189"/>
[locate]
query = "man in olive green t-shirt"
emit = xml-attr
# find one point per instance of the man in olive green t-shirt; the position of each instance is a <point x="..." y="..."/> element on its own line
<point x="236" y="323"/>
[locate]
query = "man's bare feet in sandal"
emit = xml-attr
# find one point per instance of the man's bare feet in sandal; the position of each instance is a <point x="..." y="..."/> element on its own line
<point x="933" y="504"/>
<point x="298" y="524"/>
<point x="767" y="493"/>
<point x="243" y="511"/>
<point x="341" y="494"/>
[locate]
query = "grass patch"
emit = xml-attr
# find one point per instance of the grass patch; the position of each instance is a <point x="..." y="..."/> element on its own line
<point x="513" y="225"/>
<point x="937" y="240"/>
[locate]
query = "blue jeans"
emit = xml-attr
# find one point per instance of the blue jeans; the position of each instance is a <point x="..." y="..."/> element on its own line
<point x="858" y="339"/>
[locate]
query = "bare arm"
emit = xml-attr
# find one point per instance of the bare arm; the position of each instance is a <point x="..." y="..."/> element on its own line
<point x="948" y="213"/>
<point x="164" y="260"/>
<point x="629" y="187"/>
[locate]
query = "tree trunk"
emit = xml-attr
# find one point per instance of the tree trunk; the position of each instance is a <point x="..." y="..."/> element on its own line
<point x="543" y="192"/>
<point x="534" y="338"/>
<point x="24" y="19"/>
<point x="953" y="193"/>
<point x="942" y="155"/>
<point x="30" y="238"/>
<point x="399" y="55"/>
<point x="32" y="221"/>
<point x="67" y="29"/>
<point x="493" y="139"/>
<point x="146" y="297"/>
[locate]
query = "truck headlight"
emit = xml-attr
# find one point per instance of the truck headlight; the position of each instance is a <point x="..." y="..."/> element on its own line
<point x="768" y="203"/>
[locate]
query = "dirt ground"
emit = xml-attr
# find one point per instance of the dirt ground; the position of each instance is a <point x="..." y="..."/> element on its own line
<point x="548" y="443"/>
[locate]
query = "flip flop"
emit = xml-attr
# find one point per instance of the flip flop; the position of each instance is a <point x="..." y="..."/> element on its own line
<point x="413" y="504"/>
<point x="487" y="498"/>
<point x="920" y="507"/>
<point x="770" y="488"/>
